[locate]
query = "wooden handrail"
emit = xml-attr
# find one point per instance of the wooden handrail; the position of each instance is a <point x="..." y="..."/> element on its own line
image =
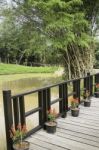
<point x="14" y="105"/>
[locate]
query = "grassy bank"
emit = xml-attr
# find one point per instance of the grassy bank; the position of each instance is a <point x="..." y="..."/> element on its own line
<point x="18" y="69"/>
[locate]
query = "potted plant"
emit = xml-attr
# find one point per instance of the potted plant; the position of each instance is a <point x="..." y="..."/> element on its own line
<point x="97" y="90"/>
<point x="75" y="107"/>
<point x="51" y="123"/>
<point x="17" y="136"/>
<point x="87" y="100"/>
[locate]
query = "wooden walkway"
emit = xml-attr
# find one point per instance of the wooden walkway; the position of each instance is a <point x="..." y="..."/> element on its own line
<point x="73" y="133"/>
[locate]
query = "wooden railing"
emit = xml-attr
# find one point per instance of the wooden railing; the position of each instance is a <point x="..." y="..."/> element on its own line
<point x="14" y="105"/>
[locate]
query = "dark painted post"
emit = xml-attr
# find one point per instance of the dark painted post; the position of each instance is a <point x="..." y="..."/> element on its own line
<point x="60" y="96"/>
<point x="85" y="83"/>
<point x="65" y="101"/>
<point x="48" y="92"/>
<point x="40" y="101"/>
<point x="44" y="106"/>
<point x="63" y="104"/>
<point x="66" y="91"/>
<point x="16" y="111"/>
<point x="76" y="89"/>
<point x="91" y="85"/>
<point x="96" y="80"/>
<point x="8" y="116"/>
<point x="88" y="81"/>
<point x="22" y="110"/>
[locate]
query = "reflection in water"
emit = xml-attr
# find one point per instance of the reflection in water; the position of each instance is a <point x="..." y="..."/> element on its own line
<point x="21" y="85"/>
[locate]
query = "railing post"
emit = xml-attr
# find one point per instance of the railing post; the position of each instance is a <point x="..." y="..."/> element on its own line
<point x="85" y="83"/>
<point x="48" y="92"/>
<point x="76" y="88"/>
<point x="16" y="111"/>
<point x="91" y="85"/>
<point x="60" y="96"/>
<point x="88" y="81"/>
<point x="44" y="103"/>
<point x="40" y="101"/>
<point x="8" y="116"/>
<point x="96" y="80"/>
<point x="63" y="104"/>
<point x="44" y="106"/>
<point x="65" y="100"/>
<point x="22" y="110"/>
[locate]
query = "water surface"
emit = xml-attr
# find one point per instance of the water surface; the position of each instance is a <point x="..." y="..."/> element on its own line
<point x="21" y="83"/>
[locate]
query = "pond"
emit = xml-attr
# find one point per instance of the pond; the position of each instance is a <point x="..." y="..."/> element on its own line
<point x="21" y="83"/>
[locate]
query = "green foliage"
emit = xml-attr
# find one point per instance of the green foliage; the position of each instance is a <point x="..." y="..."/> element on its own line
<point x="51" y="115"/>
<point x="74" y="103"/>
<point x="50" y="31"/>
<point x="19" y="133"/>
<point x="97" y="55"/>
<point x="86" y="94"/>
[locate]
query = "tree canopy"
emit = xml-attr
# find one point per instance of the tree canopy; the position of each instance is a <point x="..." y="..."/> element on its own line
<point x="50" y="31"/>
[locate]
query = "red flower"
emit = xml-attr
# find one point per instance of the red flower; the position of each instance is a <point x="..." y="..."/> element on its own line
<point x="19" y="133"/>
<point x="74" y="103"/>
<point x="51" y="114"/>
<point x="97" y="85"/>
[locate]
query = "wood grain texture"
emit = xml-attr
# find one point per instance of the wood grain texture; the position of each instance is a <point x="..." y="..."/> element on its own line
<point x="73" y="133"/>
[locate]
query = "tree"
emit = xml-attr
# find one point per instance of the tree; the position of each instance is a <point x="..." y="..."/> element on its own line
<point x="52" y="31"/>
<point x="66" y="27"/>
<point x="91" y="9"/>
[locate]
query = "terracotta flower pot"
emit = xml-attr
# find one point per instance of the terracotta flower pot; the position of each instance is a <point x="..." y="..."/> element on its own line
<point x="75" y="112"/>
<point x="51" y="127"/>
<point x="21" y="146"/>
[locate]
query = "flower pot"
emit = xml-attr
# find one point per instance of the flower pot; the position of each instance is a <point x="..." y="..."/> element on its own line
<point x="64" y="115"/>
<point x="75" y="112"/>
<point x="51" y="127"/>
<point x="87" y="103"/>
<point x="96" y="94"/>
<point x="24" y="145"/>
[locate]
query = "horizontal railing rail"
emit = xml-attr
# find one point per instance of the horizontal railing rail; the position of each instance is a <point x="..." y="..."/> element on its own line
<point x="14" y="105"/>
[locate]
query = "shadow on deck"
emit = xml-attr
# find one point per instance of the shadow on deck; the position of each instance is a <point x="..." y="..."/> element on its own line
<point x="73" y="133"/>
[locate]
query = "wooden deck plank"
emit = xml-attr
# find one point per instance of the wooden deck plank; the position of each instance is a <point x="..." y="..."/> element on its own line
<point x="79" y="128"/>
<point x="90" y="117"/>
<point x="65" y="142"/>
<point x="79" y="124"/>
<point x="78" y="139"/>
<point x="36" y="147"/>
<point x="81" y="121"/>
<point x="85" y="119"/>
<point x="38" y="140"/>
<point x="55" y="140"/>
<point x="73" y="133"/>
<point x="78" y="134"/>
<point x="90" y="111"/>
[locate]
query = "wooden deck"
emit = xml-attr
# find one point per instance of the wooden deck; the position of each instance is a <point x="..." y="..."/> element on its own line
<point x="73" y="133"/>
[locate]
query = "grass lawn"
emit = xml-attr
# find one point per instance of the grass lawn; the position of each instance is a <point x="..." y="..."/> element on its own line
<point x="6" y="69"/>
